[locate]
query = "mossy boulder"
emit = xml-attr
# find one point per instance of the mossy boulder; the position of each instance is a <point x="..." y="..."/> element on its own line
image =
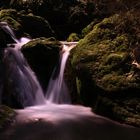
<point x="125" y="110"/>
<point x="36" y="26"/>
<point x="107" y="62"/>
<point x="42" y="55"/>
<point x="26" y="24"/>
<point x="64" y="16"/>
<point x="7" y="116"/>
<point x="73" y="15"/>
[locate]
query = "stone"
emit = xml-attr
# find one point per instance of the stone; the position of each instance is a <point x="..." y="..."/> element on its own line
<point x="103" y="62"/>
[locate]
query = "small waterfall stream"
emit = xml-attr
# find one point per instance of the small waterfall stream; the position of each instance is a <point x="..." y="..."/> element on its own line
<point x="57" y="91"/>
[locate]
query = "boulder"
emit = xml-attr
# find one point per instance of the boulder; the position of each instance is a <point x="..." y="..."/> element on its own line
<point x="64" y="16"/>
<point x="42" y="55"/>
<point x="71" y="16"/>
<point x="24" y="24"/>
<point x="106" y="63"/>
<point x="36" y="26"/>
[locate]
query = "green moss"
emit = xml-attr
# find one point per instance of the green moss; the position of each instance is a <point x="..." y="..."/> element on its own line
<point x="105" y="50"/>
<point x="8" y="12"/>
<point x="21" y="22"/>
<point x="89" y="28"/>
<point x="12" y="22"/>
<point x="78" y="85"/>
<point x="105" y="56"/>
<point x="73" y="37"/>
<point x="119" y="109"/>
<point x="6" y="116"/>
<point x="52" y="42"/>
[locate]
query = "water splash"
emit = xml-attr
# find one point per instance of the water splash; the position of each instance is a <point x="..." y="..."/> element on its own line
<point x="21" y="42"/>
<point x="57" y="91"/>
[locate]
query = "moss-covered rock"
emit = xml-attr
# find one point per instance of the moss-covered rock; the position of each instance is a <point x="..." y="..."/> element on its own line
<point x="36" y="26"/>
<point x="73" y="15"/>
<point x="24" y="23"/>
<point x="64" y="16"/>
<point x="42" y="55"/>
<point x="73" y="37"/>
<point x="125" y="110"/>
<point x="106" y="61"/>
<point x="89" y="28"/>
<point x="7" y="116"/>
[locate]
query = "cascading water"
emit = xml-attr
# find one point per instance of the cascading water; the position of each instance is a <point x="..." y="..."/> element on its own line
<point x="24" y="82"/>
<point x="57" y="91"/>
<point x="19" y="43"/>
<point x="9" y="31"/>
<point x="21" y="79"/>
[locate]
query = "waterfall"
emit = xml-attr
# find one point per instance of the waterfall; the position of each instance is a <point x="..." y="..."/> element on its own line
<point x="19" y="43"/>
<point x="19" y="77"/>
<point x="21" y="80"/>
<point x="57" y="91"/>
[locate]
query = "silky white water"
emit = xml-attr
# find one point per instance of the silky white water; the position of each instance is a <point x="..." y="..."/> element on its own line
<point x="66" y="122"/>
<point x="57" y="91"/>
<point x="20" y="77"/>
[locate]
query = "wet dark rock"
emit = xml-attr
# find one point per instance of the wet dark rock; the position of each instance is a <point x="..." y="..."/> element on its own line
<point x="42" y="55"/>
<point x="36" y="26"/>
